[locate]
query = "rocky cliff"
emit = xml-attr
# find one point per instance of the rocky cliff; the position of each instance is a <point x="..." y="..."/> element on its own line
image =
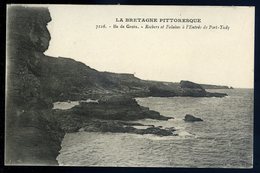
<point x="34" y="81"/>
<point x="32" y="135"/>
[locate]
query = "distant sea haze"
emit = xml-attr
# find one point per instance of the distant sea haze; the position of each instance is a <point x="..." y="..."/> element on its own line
<point x="223" y="139"/>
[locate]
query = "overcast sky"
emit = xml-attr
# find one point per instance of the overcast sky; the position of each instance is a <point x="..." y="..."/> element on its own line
<point x="203" y="56"/>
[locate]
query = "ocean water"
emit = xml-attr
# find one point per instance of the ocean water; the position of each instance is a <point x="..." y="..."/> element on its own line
<point x="224" y="139"/>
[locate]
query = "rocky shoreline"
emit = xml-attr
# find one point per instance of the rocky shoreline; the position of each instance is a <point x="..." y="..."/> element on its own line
<point x="111" y="114"/>
<point x="34" y="130"/>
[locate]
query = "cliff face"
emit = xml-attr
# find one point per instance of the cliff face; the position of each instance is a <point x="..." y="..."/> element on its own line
<point x="36" y="78"/>
<point x="30" y="137"/>
<point x="27" y="35"/>
<point x="35" y="81"/>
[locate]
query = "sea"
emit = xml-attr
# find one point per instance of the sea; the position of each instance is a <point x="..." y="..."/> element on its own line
<point x="224" y="139"/>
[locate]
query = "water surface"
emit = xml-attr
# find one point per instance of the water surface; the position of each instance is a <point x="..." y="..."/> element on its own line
<point x="223" y="139"/>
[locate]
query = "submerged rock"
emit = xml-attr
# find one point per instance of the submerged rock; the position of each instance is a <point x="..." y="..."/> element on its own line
<point x="191" y="118"/>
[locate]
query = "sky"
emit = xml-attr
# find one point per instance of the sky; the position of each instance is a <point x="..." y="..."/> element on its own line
<point x="223" y="57"/>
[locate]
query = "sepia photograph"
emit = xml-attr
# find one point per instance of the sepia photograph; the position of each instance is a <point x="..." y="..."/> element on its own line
<point x="129" y="86"/>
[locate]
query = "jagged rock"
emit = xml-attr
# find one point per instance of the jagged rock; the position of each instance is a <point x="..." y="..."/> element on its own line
<point x="191" y="118"/>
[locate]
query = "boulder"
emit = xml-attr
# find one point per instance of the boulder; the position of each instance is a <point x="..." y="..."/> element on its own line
<point x="191" y="118"/>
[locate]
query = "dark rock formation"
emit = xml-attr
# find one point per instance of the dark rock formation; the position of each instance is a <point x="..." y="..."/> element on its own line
<point x="32" y="135"/>
<point x="191" y="118"/>
<point x="33" y="138"/>
<point x="115" y="108"/>
<point x="184" y="88"/>
<point x="27" y="35"/>
<point x="123" y="127"/>
<point x="27" y="28"/>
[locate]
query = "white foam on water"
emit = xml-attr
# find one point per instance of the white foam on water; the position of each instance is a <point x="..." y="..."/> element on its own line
<point x="65" y="105"/>
<point x="140" y="127"/>
<point x="89" y="101"/>
<point x="180" y="135"/>
<point x="176" y="119"/>
<point x="155" y="137"/>
<point x="185" y="134"/>
<point x="70" y="104"/>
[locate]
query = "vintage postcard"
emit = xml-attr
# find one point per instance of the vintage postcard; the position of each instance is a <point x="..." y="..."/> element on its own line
<point x="130" y="86"/>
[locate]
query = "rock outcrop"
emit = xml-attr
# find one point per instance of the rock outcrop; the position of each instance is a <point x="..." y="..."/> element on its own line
<point x="184" y="89"/>
<point x="27" y="35"/>
<point x="115" y="108"/>
<point x="32" y="135"/>
<point x="115" y="126"/>
<point x="108" y="115"/>
<point x="191" y="118"/>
